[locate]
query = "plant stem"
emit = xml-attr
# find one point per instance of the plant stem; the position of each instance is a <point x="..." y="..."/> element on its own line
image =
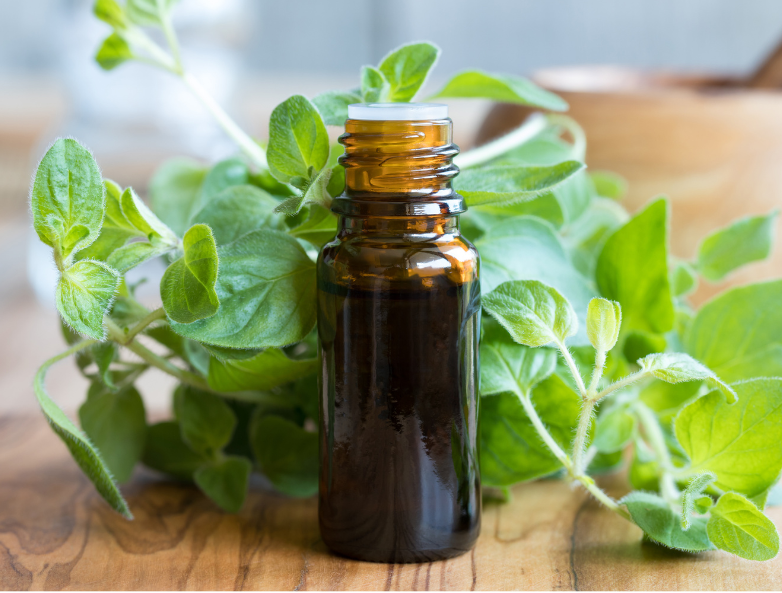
<point x="155" y="360"/>
<point x="153" y="316"/>
<point x="598" y="493"/>
<point x="573" y="368"/>
<point x="545" y="435"/>
<point x="533" y="126"/>
<point x="629" y="379"/>
<point x="597" y="373"/>
<point x="656" y="439"/>
<point x="579" y="443"/>
<point x="247" y="144"/>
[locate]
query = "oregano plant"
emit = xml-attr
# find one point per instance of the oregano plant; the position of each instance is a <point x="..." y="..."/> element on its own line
<point x="592" y="358"/>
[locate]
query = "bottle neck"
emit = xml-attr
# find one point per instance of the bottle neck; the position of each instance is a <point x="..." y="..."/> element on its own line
<point x="398" y="225"/>
<point x="398" y="168"/>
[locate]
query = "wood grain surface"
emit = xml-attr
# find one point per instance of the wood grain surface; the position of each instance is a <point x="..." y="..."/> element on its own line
<point x="56" y="533"/>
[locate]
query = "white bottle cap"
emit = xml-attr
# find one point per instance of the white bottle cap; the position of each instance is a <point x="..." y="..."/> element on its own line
<point x="397" y="111"/>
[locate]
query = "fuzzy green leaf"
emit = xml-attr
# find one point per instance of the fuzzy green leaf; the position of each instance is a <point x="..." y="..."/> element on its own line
<point x="319" y="228"/>
<point x="655" y="516"/>
<point x="633" y="270"/>
<point x="677" y="367"/>
<point x="502" y="88"/>
<point x="298" y="141"/>
<point x="188" y="285"/>
<point x="166" y="452"/>
<point x="717" y="436"/>
<point x="745" y="240"/>
<point x="82" y="450"/>
<point x="237" y="211"/>
<point x="225" y="482"/>
<point x="407" y="68"/>
<point x="228" y="173"/>
<point x="84" y="295"/>
<point x="286" y="454"/>
<point x="738" y="334"/>
<point x="374" y="86"/>
<point x="111" y="12"/>
<point x="737" y="526"/>
<point x="206" y="421"/>
<point x="684" y="280"/>
<point x="608" y="184"/>
<point x="511" y="449"/>
<point x="68" y="198"/>
<point x="264" y="301"/>
<point x="113" y="51"/>
<point x="511" y="367"/>
<point x="316" y="192"/>
<point x="526" y="248"/>
<point x="508" y="184"/>
<point x="175" y="192"/>
<point x="116" y="230"/>
<point x="116" y="424"/>
<point x="604" y="319"/>
<point x="333" y="106"/>
<point x="692" y="493"/>
<point x="264" y="371"/>
<point x="534" y="314"/>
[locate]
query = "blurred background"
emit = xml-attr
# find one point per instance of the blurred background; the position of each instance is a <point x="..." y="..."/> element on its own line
<point x="714" y="150"/>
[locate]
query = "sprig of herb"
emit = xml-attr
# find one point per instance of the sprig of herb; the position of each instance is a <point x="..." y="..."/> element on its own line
<point x="569" y="281"/>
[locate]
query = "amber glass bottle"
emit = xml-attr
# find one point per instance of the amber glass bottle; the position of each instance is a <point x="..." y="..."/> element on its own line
<point x="398" y="323"/>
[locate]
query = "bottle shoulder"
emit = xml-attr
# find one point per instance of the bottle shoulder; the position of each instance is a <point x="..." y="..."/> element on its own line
<point x="396" y="257"/>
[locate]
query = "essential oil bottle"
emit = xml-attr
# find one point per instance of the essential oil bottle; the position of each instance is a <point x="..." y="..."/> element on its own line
<point x="398" y="324"/>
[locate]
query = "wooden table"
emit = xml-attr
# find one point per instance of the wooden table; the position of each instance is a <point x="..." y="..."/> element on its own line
<point x="56" y="533"/>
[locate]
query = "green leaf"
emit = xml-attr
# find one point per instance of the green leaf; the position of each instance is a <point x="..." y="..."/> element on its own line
<point x="745" y="240"/>
<point x="319" y="228"/>
<point x="511" y="450"/>
<point x="149" y="12"/>
<point x="143" y="219"/>
<point x="228" y="173"/>
<point x="525" y="248"/>
<point x="510" y="367"/>
<point x="407" y="68"/>
<point x="81" y="448"/>
<point x="534" y="314"/>
<point x="286" y="454"/>
<point x="84" y="295"/>
<point x="188" y="285"/>
<point x="104" y="354"/>
<point x="225" y="482"/>
<point x="507" y="184"/>
<point x="333" y="106"/>
<point x="264" y="371"/>
<point x="658" y="521"/>
<point x="175" y="192"/>
<point x="677" y="367"/>
<point x="116" y="230"/>
<point x="693" y="492"/>
<point x="110" y="11"/>
<point x="315" y="193"/>
<point x="614" y="430"/>
<point x="604" y="319"/>
<point x="608" y="184"/>
<point x="113" y="51"/>
<point x="737" y="526"/>
<point x="639" y="344"/>
<point x="166" y="452"/>
<point x="116" y="424"/>
<point x="237" y="211"/>
<point x="684" y="280"/>
<point x="264" y="301"/>
<point x="502" y="88"/>
<point x="68" y="198"/>
<point x="717" y="436"/>
<point x="298" y="141"/>
<point x="666" y="399"/>
<point x="738" y="334"/>
<point x="374" y="86"/>
<point x="206" y="421"/>
<point x="633" y="270"/>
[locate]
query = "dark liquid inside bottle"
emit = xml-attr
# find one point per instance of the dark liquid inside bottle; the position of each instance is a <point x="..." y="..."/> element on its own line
<point x="400" y="481"/>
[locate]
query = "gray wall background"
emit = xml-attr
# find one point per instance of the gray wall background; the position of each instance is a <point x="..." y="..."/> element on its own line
<point x="337" y="36"/>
